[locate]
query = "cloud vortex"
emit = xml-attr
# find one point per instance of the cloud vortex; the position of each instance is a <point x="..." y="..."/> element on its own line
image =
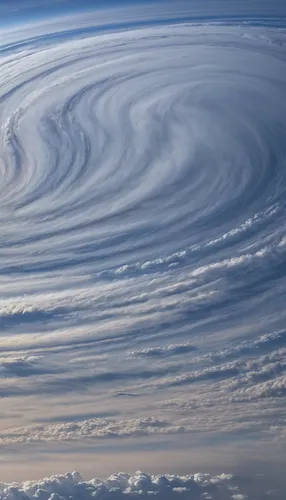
<point x="142" y="144"/>
<point x="142" y="220"/>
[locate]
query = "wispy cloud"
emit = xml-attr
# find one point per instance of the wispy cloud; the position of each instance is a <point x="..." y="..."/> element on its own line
<point x="142" y="222"/>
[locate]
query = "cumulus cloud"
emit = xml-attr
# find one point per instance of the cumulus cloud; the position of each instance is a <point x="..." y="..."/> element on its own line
<point x="91" y="428"/>
<point x="119" y="486"/>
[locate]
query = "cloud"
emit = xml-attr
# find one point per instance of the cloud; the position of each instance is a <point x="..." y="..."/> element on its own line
<point x="169" y="350"/>
<point x="26" y="366"/>
<point x="89" y="429"/>
<point x="142" y="226"/>
<point x="72" y="486"/>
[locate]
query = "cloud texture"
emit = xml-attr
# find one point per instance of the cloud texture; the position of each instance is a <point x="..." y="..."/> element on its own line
<point x="143" y="236"/>
<point x="120" y="486"/>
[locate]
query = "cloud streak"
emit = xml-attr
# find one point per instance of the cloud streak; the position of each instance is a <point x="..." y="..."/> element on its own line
<point x="142" y="221"/>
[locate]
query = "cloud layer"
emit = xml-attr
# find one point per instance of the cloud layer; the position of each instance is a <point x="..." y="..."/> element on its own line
<point x="119" y="486"/>
<point x="142" y="220"/>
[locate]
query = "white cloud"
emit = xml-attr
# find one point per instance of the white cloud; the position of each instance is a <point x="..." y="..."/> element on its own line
<point x="73" y="487"/>
<point x="87" y="429"/>
<point x="142" y="228"/>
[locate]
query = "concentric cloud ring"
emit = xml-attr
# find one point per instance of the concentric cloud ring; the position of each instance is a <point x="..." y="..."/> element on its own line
<point x="142" y="204"/>
<point x="117" y="144"/>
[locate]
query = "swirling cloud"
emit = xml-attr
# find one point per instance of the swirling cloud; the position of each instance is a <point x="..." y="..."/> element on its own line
<point x="142" y="219"/>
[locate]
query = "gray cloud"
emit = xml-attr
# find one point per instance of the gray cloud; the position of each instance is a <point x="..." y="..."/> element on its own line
<point x="87" y="429"/>
<point x="166" y="351"/>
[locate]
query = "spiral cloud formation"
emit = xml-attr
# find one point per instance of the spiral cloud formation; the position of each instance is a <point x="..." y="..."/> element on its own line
<point x="143" y="235"/>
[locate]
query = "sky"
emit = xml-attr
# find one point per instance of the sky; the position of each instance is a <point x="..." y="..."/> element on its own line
<point x="142" y="250"/>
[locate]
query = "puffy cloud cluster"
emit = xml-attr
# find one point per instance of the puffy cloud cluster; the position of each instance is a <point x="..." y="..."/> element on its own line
<point x="91" y="428"/>
<point x="72" y="486"/>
